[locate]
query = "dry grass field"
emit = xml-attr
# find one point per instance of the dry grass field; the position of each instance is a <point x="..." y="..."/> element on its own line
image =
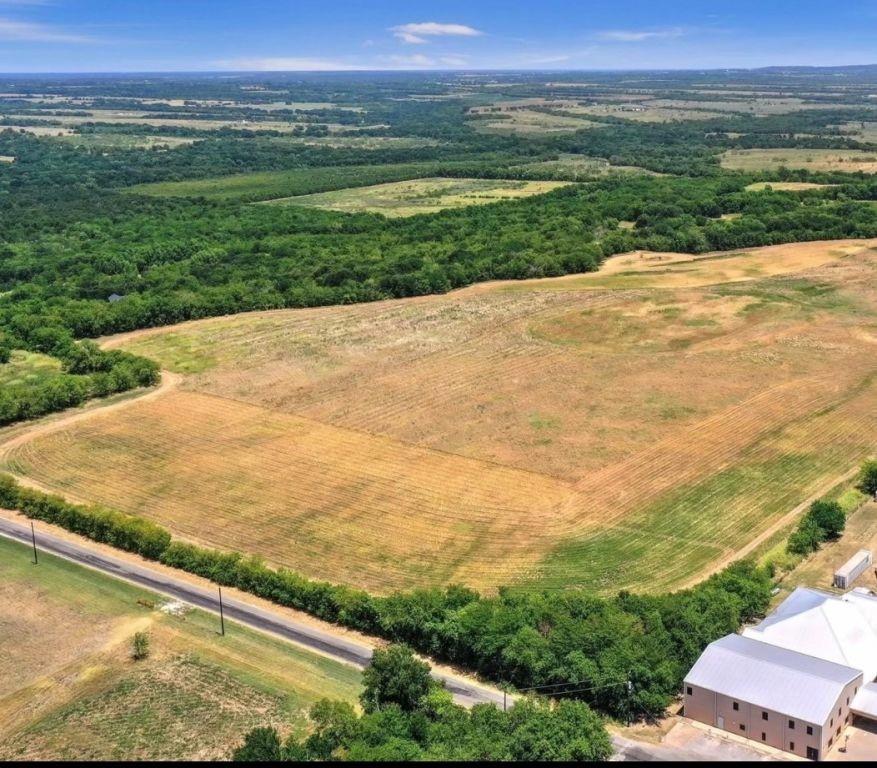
<point x="786" y="186"/>
<point x="409" y="198"/>
<point x="70" y="691"/>
<point x="528" y="122"/>
<point x="38" y="130"/>
<point x="643" y="107"/>
<point x="861" y="131"/>
<point x="842" y="160"/>
<point x="645" y="112"/>
<point x="581" y="166"/>
<point x="123" y="141"/>
<point x="633" y="427"/>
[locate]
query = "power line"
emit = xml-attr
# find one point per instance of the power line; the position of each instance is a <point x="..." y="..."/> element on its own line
<point x="625" y="681"/>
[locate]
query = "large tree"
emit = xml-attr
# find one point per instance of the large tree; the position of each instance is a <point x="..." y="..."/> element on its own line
<point x="395" y="676"/>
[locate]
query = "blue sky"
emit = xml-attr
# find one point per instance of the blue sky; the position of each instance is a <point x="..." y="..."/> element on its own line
<point x="203" y="35"/>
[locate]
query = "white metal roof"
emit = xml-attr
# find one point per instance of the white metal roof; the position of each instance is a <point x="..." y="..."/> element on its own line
<point x="865" y="702"/>
<point x="792" y="683"/>
<point x="840" y="629"/>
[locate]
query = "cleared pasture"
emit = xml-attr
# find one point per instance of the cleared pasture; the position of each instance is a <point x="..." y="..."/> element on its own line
<point x="644" y="112"/>
<point x="838" y="160"/>
<point x="69" y="690"/>
<point x="528" y="122"/>
<point x="576" y="167"/>
<point x="786" y="186"/>
<point x="409" y="198"/>
<point x="28" y="368"/>
<point x="540" y="434"/>
<point x="270" y="185"/>
<point x="123" y="141"/>
<point x="751" y="104"/>
<point x="122" y="117"/>
<point x="361" y="142"/>
<point x="38" y="130"/>
<point x="645" y="269"/>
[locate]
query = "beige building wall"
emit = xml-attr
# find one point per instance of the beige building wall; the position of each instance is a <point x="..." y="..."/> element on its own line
<point x="840" y="718"/>
<point x="778" y="730"/>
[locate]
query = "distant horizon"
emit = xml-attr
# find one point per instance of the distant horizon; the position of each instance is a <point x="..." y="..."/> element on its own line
<point x="479" y="71"/>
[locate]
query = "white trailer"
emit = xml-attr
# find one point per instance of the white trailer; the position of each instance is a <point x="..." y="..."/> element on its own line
<point x="852" y="569"/>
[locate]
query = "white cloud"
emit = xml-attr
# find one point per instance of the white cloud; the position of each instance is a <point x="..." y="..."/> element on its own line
<point x="24" y="31"/>
<point x="638" y="36"/>
<point x="286" y="64"/>
<point x="417" y="33"/>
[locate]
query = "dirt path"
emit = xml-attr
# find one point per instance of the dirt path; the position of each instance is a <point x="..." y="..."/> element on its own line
<point x="785" y="520"/>
<point x="169" y="382"/>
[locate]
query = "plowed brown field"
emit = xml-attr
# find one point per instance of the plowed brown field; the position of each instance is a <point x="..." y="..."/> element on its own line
<point x="630" y="428"/>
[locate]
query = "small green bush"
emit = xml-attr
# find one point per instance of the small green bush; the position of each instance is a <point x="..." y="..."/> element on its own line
<point x="139" y="646"/>
<point x="868" y="477"/>
<point x="824" y="521"/>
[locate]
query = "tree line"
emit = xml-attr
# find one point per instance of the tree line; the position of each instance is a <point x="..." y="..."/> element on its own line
<point x="624" y="655"/>
<point x="408" y="716"/>
<point x="89" y="372"/>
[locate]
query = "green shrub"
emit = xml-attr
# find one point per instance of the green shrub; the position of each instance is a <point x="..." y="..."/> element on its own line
<point x="824" y="521"/>
<point x="829" y="517"/>
<point x="395" y="676"/>
<point x="868" y="477"/>
<point x="139" y="646"/>
<point x="261" y="745"/>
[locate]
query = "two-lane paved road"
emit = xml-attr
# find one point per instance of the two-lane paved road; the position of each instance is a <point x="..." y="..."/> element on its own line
<point x="307" y="635"/>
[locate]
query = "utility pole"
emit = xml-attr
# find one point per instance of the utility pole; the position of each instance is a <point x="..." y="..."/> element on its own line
<point x="221" y="615"/>
<point x="629" y="700"/>
<point x="33" y="536"/>
<point x="503" y="701"/>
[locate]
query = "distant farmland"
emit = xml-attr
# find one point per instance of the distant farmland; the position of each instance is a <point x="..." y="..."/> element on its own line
<point x="844" y="161"/>
<point x="631" y="428"/>
<point x="409" y="198"/>
<point x="270" y="185"/>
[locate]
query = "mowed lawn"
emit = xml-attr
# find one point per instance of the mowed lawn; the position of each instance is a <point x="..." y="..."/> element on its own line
<point x="840" y="160"/>
<point x="632" y="428"/>
<point x="409" y="198"/>
<point x="70" y="691"/>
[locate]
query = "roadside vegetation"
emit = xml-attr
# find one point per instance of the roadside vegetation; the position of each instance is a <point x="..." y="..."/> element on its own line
<point x="70" y="689"/>
<point x="407" y="716"/>
<point x="629" y="653"/>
